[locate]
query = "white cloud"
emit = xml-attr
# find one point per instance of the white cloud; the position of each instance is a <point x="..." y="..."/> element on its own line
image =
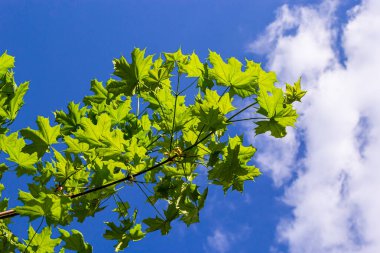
<point x="277" y="157"/>
<point x="224" y="240"/>
<point x="219" y="241"/>
<point x="334" y="196"/>
<point x="308" y="51"/>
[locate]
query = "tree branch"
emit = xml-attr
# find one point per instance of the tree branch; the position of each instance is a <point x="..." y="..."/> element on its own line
<point x="11" y="213"/>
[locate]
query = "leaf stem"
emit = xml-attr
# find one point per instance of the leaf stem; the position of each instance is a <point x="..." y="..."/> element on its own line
<point x="188" y="86"/>
<point x="242" y="110"/>
<point x="253" y="118"/>
<point x="224" y="92"/>
<point x="35" y="232"/>
<point x="150" y="202"/>
<point x="175" y="110"/>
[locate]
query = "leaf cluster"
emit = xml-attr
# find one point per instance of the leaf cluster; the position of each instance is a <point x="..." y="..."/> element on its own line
<point x="157" y="125"/>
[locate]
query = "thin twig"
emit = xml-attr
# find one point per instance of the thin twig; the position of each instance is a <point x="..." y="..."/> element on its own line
<point x="150" y="201"/>
<point x="35" y="232"/>
<point x="125" y="212"/>
<point x="253" y="118"/>
<point x="188" y="86"/>
<point x="175" y="110"/>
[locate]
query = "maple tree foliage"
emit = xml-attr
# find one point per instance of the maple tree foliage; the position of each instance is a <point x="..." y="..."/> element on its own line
<point x="160" y="122"/>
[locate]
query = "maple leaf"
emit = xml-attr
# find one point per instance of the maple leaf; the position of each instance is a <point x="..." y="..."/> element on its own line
<point x="6" y="62"/>
<point x="41" y="242"/>
<point x="294" y="93"/>
<point x="124" y="233"/>
<point x="74" y="241"/>
<point x="92" y="133"/>
<point x="17" y="100"/>
<point x="265" y="80"/>
<point x="233" y="170"/>
<point x="212" y="109"/>
<point x="195" y="68"/>
<point x="280" y="115"/>
<point x="242" y="83"/>
<point x="132" y="73"/>
<point x="54" y="208"/>
<point x="43" y="138"/>
<point x="70" y="121"/>
<point x="100" y="93"/>
<point x="14" y="146"/>
<point x="177" y="58"/>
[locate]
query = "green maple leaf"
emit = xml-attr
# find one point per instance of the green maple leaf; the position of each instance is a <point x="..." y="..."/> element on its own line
<point x="114" y="144"/>
<point x="92" y="133"/>
<point x="171" y="213"/>
<point x="14" y="146"/>
<point x="245" y="152"/>
<point x="43" y="138"/>
<point x="272" y="126"/>
<point x="54" y="208"/>
<point x="163" y="102"/>
<point x="17" y="100"/>
<point x="118" y="87"/>
<point x="159" y="75"/>
<point x="212" y="109"/>
<point x="189" y="202"/>
<point x="280" y="115"/>
<point x="119" y="112"/>
<point x="6" y="62"/>
<point x="157" y="224"/>
<point x="13" y="101"/>
<point x="270" y="102"/>
<point x="86" y="206"/>
<point x="176" y="58"/>
<point x="109" y="138"/>
<point x="100" y="93"/>
<point x="33" y="209"/>
<point x="195" y="68"/>
<point x="233" y="170"/>
<point x="118" y="233"/>
<point x="70" y="121"/>
<point x="212" y="99"/>
<point x="294" y="93"/>
<point x="136" y="233"/>
<point x="124" y="233"/>
<point x="132" y="73"/>
<point x="265" y="80"/>
<point x="242" y="83"/>
<point x="64" y="169"/>
<point x="41" y="243"/>
<point x="74" y="146"/>
<point x="74" y="241"/>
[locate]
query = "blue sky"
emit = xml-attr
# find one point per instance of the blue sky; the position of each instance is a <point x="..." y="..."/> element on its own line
<point x="314" y="195"/>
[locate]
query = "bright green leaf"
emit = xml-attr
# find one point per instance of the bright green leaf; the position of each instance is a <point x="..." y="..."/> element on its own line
<point x="280" y="115"/>
<point x="75" y="241"/>
<point x="13" y="146"/>
<point x="41" y="243"/>
<point x="242" y="83"/>
<point x="92" y="133"/>
<point x="42" y="138"/>
<point x="17" y="101"/>
<point x="70" y="121"/>
<point x="6" y="62"/>
<point x="294" y="93"/>
<point x="133" y="73"/>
